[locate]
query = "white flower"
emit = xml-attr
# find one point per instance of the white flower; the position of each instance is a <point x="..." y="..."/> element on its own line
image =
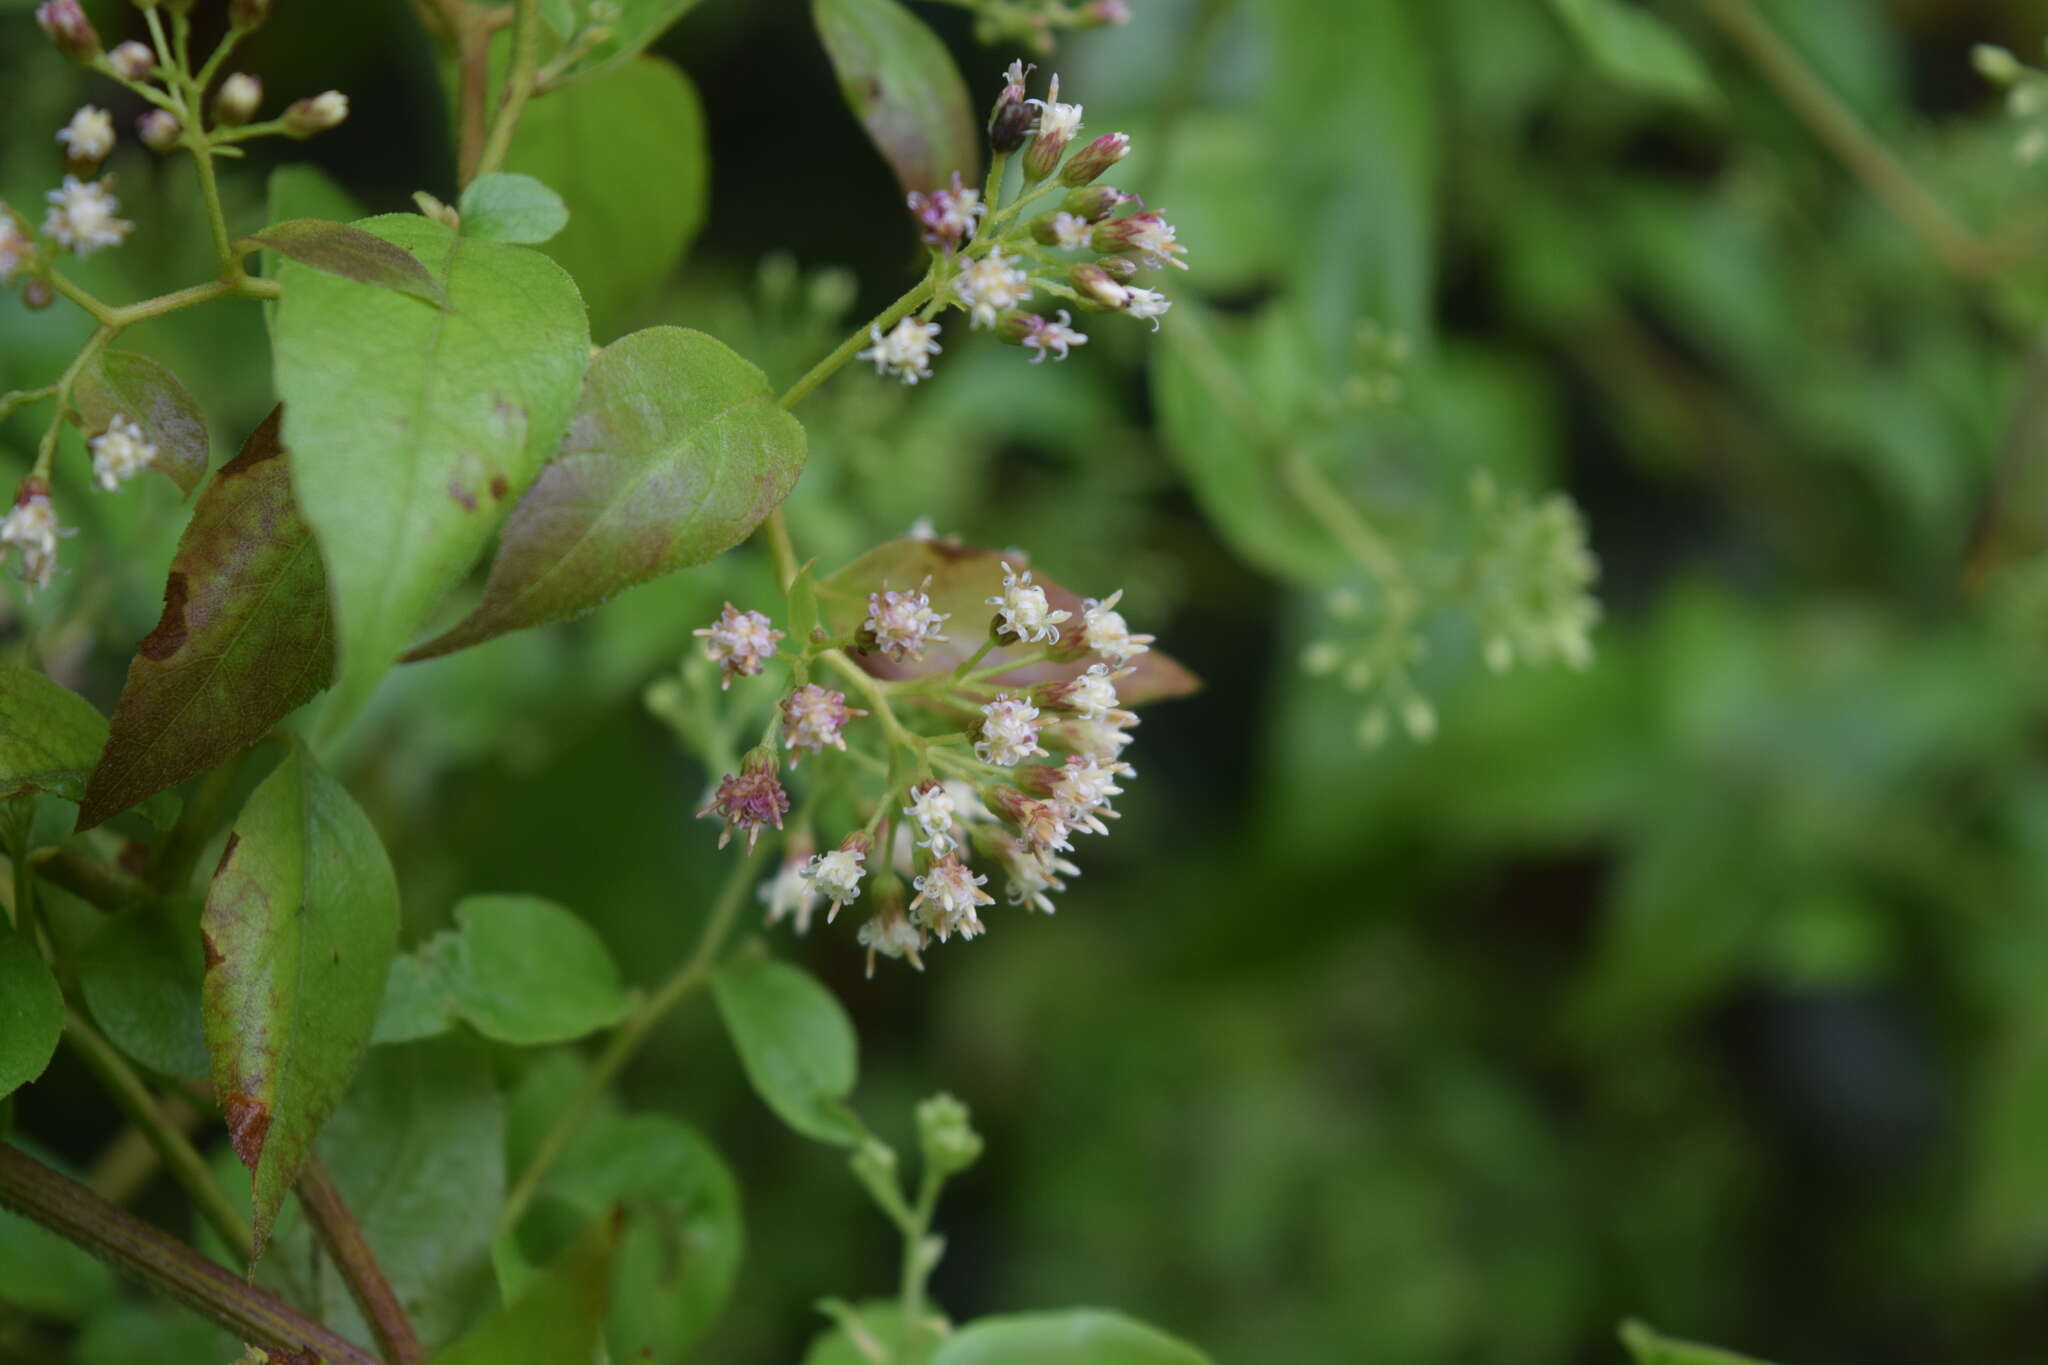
<point x="14" y="246"/>
<point x="1008" y="733"/>
<point x="895" y="937"/>
<point x="241" y="94"/>
<point x="1048" y="337"/>
<point x="1032" y="873"/>
<point x="932" y="810"/>
<point x="1095" y="739"/>
<point x="1092" y="696"/>
<point x="1104" y="630"/>
<point x="1081" y="788"/>
<point x="990" y="286"/>
<point x="89" y="136"/>
<point x="1056" y="122"/>
<point x="906" y="351"/>
<point x="82" y="217"/>
<point x="1015" y="73"/>
<point x="120" y="453"/>
<point x="837" y="876"/>
<point x="901" y="624"/>
<point x="1147" y="236"/>
<point x="1146" y="303"/>
<point x="739" y="642"/>
<point x="949" y="894"/>
<point x="31" y="525"/>
<point x="790" y="893"/>
<point x="1023" y="611"/>
<point x="131" y="61"/>
<point x="1071" y="231"/>
<point x="316" y="114"/>
<point x="1040" y="824"/>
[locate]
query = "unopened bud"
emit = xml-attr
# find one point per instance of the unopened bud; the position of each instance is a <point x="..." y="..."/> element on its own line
<point x="1010" y="120"/>
<point x="1098" y="289"/>
<point x="37" y="295"/>
<point x="158" y="130"/>
<point x="947" y="1135"/>
<point x="316" y="114"/>
<point x="1119" y="267"/>
<point x="239" y="97"/>
<point x="1087" y="165"/>
<point x="131" y="61"/>
<point x="1099" y="12"/>
<point x="1995" y="64"/>
<point x="65" y="24"/>
<point x="1013" y="327"/>
<point x="1057" y="124"/>
<point x="1096" y="202"/>
<point x="248" y="14"/>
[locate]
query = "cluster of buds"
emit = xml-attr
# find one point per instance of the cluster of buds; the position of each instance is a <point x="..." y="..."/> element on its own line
<point x="960" y="784"/>
<point x="30" y="526"/>
<point x="990" y="259"/>
<point x="2026" y="98"/>
<point x="1035" y="22"/>
<point x="1533" y="574"/>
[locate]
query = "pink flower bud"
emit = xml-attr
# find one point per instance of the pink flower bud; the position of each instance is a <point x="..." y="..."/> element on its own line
<point x="65" y="24"/>
<point x="1098" y="289"/>
<point x="131" y="61"/>
<point x="316" y="114"/>
<point x="749" y="800"/>
<point x="1088" y="164"/>
<point x="1097" y="202"/>
<point x="238" y="99"/>
<point x="158" y="130"/>
<point x="1010" y="120"/>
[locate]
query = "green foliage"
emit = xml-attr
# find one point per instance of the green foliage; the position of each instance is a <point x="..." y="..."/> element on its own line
<point x="49" y="737"/>
<point x="350" y="253"/>
<point x="626" y="33"/>
<point x="533" y="972"/>
<point x="559" y="1318"/>
<point x="1646" y="1346"/>
<point x="140" y="975"/>
<point x="124" y="384"/>
<point x="1077" y="1336"/>
<point x="900" y="82"/>
<point x="796" y="1043"/>
<point x="31" y="1013"/>
<point x="1632" y="45"/>
<point x="507" y="207"/>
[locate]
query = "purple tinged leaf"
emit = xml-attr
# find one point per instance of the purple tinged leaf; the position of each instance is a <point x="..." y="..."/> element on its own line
<point x="676" y="452"/>
<point x="138" y="389"/>
<point x="901" y="83"/>
<point x="352" y="254"/>
<point x="245" y="638"/>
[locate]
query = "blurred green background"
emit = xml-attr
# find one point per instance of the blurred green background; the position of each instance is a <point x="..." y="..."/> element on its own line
<point x="1709" y="985"/>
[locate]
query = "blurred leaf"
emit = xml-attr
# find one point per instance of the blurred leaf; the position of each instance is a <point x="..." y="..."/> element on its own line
<point x="2014" y="521"/>
<point x="31" y="1013"/>
<point x="44" y="1275"/>
<point x="49" y="736"/>
<point x="639" y="22"/>
<point x="869" y="1331"/>
<point x="1638" y="49"/>
<point x="507" y="207"/>
<point x="419" y="995"/>
<point x="963" y="578"/>
<point x="1648" y="1348"/>
<point x="795" y="1043"/>
<point x="1075" y="1336"/>
<point x="412" y="430"/>
<point x="535" y="973"/>
<point x="300" y="927"/>
<point x="152" y="1334"/>
<point x="244" y="640"/>
<point x="627" y="153"/>
<point x="350" y="253"/>
<point x="901" y="84"/>
<point x="559" y="1320"/>
<point x="122" y="384"/>
<point x="676" y="452"/>
<point x="140" y="976"/>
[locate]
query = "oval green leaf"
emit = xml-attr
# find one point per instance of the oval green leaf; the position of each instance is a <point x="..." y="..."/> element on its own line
<point x="351" y="253"/>
<point x="901" y="84"/>
<point x="795" y="1043"/>
<point x="419" y="995"/>
<point x="677" y="451"/>
<point x="871" y="1331"/>
<point x="1075" y="1336"/>
<point x="299" y="931"/>
<point x="634" y="24"/>
<point x="244" y="640"/>
<point x="1647" y="1346"/>
<point x="508" y="207"/>
<point x="560" y="1317"/>
<point x="134" y="388"/>
<point x="140" y="975"/>
<point x="31" y="1013"/>
<point x="412" y="431"/>
<point x="50" y="737"/>
<point x="1636" y="48"/>
<point x="627" y="153"/>
<point x="534" y="972"/>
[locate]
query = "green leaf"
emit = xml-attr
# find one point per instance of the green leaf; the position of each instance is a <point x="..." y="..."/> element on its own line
<point x="122" y="384"/>
<point x="31" y="1013"/>
<point x="962" y="578"/>
<point x="795" y="1043"/>
<point x="419" y="995"/>
<point x="676" y="452"/>
<point x="417" y="1150"/>
<point x="871" y="1331"/>
<point x="42" y="1274"/>
<point x="507" y="207"/>
<point x="1647" y="1347"/>
<point x="412" y="430"/>
<point x="299" y="929"/>
<point x="1074" y="1336"/>
<point x="558" y="1321"/>
<point x="901" y="84"/>
<point x="244" y="640"/>
<point x="638" y="23"/>
<point x="140" y="975"/>
<point x="1639" y="50"/>
<point x="152" y="1334"/>
<point x="627" y="153"/>
<point x="679" y="1254"/>
<point x="350" y="253"/>
<point x="49" y="736"/>
<point x="536" y="973"/>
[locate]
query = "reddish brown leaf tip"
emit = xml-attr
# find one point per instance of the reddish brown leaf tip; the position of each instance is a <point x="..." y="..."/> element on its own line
<point x="248" y="1125"/>
<point x="213" y="956"/>
<point x="264" y="443"/>
<point x="227" y="852"/>
<point x="169" y="636"/>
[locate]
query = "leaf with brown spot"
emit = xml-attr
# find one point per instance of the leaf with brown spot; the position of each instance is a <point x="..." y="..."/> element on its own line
<point x="134" y="387"/>
<point x="675" y="453"/>
<point x="244" y="640"/>
<point x="963" y="578"/>
<point x="300" y="927"/>
<point x="901" y="83"/>
<point x="351" y="253"/>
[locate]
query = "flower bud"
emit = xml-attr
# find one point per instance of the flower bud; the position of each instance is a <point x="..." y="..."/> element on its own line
<point x="946" y="1135"/>
<point x="1118" y="267"/>
<point x="1088" y="164"/>
<point x="1057" y="124"/>
<point x="65" y="24"/>
<point x="237" y="101"/>
<point x="316" y="114"/>
<point x="1100" y="12"/>
<point x="1995" y="64"/>
<point x="248" y="14"/>
<point x="749" y="799"/>
<point x="131" y="61"/>
<point x="1096" y="202"/>
<point x="37" y="295"/>
<point x="1097" y="289"/>
<point x="1010" y="121"/>
<point x="158" y="130"/>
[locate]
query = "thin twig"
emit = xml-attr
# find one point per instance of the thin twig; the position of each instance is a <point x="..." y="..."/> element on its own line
<point x="343" y="1237"/>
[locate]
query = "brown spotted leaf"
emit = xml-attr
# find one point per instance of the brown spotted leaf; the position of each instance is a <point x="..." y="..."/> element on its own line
<point x="244" y="640"/>
<point x="963" y="578"/>
<point x="134" y="388"/>
<point x="351" y="253"/>
<point x="901" y="83"/>
<point x="300" y="927"/>
<point x="676" y="452"/>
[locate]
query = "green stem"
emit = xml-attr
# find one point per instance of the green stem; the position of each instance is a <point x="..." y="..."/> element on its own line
<point x="917" y="1259"/>
<point x="830" y="365"/>
<point x="21" y="398"/>
<point x="198" y="822"/>
<point x="221" y="50"/>
<point x="209" y="191"/>
<point x="878" y="697"/>
<point x="184" y="1163"/>
<point x="695" y="972"/>
<point x="46" y="452"/>
<point x="518" y="85"/>
<point x="342" y="1235"/>
<point x="72" y="1211"/>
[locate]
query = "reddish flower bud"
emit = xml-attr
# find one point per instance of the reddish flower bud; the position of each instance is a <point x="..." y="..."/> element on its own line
<point x="1088" y="164"/>
<point x="316" y="114"/>
<point x="749" y="799"/>
<point x="1097" y="202"/>
<point x="65" y="24"/>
